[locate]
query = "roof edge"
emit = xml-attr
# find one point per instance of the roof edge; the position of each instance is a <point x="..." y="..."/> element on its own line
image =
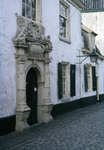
<point x="77" y="3"/>
<point x="88" y="30"/>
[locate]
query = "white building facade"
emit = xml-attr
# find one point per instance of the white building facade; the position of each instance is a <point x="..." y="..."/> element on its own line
<point x="92" y="16"/>
<point x="41" y="75"/>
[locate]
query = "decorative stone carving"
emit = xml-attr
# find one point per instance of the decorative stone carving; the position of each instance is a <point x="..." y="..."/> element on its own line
<point x="32" y="36"/>
<point x="32" y="47"/>
<point x="46" y="112"/>
<point x="36" y="48"/>
<point x="21" y="35"/>
<point x="21" y="120"/>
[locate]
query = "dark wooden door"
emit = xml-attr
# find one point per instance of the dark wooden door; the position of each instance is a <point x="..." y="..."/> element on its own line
<point x="31" y="95"/>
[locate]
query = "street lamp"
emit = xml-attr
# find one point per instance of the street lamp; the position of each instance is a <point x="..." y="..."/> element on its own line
<point x="93" y="56"/>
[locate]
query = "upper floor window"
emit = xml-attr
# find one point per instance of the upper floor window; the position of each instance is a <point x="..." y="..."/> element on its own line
<point x="89" y="38"/>
<point x="29" y="9"/>
<point x="64" y="20"/>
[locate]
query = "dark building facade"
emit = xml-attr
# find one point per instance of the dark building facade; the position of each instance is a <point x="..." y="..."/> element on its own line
<point x="93" y="5"/>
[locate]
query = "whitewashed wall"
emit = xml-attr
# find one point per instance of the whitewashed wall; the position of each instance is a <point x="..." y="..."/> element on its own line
<point x="95" y="21"/>
<point x="7" y="56"/>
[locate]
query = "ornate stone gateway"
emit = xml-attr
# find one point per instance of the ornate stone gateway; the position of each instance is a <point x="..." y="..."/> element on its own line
<point x="32" y="53"/>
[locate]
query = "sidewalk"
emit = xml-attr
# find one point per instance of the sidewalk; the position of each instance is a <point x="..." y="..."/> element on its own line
<point x="82" y="129"/>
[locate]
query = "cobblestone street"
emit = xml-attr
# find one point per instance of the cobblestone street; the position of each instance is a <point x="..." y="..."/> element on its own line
<point x="82" y="129"/>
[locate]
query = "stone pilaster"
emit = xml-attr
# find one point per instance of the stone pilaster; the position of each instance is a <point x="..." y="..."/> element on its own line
<point x="47" y="104"/>
<point x="40" y="101"/>
<point x="22" y="110"/>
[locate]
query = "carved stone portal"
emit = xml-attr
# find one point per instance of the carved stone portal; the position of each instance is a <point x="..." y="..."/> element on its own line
<point x="32" y="50"/>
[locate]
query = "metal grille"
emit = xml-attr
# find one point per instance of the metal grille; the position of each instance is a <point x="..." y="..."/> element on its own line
<point x="93" y="4"/>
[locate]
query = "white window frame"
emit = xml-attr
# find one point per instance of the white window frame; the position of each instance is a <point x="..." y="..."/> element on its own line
<point x="66" y="77"/>
<point x="38" y="11"/>
<point x="89" y="77"/>
<point x="67" y="38"/>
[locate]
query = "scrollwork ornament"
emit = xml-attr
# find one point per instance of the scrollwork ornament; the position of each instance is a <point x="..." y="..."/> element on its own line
<point x="21" y="35"/>
<point x="43" y="48"/>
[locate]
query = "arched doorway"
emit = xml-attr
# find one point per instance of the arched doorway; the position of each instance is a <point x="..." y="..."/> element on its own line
<point x="31" y="95"/>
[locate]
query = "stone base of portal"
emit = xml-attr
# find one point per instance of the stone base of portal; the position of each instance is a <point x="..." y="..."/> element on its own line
<point x="21" y="119"/>
<point x="47" y="108"/>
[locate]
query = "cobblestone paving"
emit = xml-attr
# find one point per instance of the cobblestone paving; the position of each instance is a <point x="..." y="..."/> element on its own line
<point x="82" y="129"/>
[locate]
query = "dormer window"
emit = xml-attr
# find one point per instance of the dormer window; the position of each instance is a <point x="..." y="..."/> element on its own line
<point x="29" y="9"/>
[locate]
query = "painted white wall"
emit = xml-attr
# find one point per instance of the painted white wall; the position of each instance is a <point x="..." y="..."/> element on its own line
<point x="7" y="56"/>
<point x="95" y="21"/>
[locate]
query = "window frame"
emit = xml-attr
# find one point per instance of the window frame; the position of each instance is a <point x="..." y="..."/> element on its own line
<point x="89" y="76"/>
<point x="66" y="64"/>
<point x="38" y="11"/>
<point x="67" y="38"/>
<point x="31" y="8"/>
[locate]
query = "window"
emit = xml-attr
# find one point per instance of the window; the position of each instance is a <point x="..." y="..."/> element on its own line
<point x="29" y="9"/>
<point x="64" y="20"/>
<point x="63" y="79"/>
<point x="90" y="77"/>
<point x="89" y="38"/>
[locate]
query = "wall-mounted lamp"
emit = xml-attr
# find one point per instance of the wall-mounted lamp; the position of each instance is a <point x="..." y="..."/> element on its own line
<point x="93" y="57"/>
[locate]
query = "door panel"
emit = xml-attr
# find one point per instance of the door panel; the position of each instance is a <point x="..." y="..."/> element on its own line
<point x="31" y="95"/>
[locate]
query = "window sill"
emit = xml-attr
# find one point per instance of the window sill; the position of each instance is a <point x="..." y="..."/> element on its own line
<point x="64" y="40"/>
<point x="90" y="91"/>
<point x="65" y="99"/>
<point x="29" y="19"/>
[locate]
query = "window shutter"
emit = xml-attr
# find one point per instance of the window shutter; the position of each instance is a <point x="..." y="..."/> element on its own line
<point x="94" y="77"/>
<point x="72" y="80"/>
<point x="85" y="78"/>
<point x="60" y="94"/>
